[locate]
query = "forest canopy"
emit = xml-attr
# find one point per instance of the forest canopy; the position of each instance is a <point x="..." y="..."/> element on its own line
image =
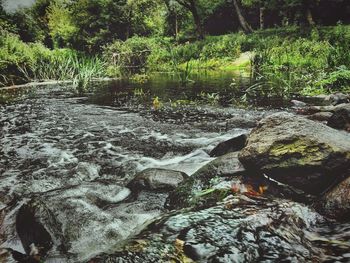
<point x="88" y="25"/>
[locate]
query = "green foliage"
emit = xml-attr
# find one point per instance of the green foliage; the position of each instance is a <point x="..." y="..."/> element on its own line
<point x="145" y="17"/>
<point x="308" y="65"/>
<point x="137" y="54"/>
<point x="60" y="22"/>
<point x="220" y="47"/>
<point x="14" y="53"/>
<point x="338" y="80"/>
<point x="210" y="98"/>
<point x="140" y="54"/>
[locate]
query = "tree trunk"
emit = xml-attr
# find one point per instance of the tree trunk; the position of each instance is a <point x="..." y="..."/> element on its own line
<point x="308" y="15"/>
<point x="243" y="22"/>
<point x="262" y="17"/>
<point x="176" y="27"/>
<point x="191" y="6"/>
<point x="197" y="21"/>
<point x="128" y="27"/>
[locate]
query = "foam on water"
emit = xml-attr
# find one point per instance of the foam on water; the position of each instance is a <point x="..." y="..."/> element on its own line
<point x="189" y="163"/>
<point x="60" y="147"/>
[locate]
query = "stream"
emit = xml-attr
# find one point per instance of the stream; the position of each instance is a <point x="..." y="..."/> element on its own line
<point x="65" y="163"/>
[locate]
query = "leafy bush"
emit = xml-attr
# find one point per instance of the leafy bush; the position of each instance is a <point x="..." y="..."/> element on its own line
<point x="131" y="55"/>
<point x="338" y="80"/>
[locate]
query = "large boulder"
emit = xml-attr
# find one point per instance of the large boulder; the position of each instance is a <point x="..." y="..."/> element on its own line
<point x="297" y="151"/>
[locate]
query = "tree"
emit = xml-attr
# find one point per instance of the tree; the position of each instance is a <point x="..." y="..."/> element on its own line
<point x="172" y="17"/>
<point x="98" y="22"/>
<point x="5" y="20"/>
<point x="242" y="21"/>
<point x="60" y="22"/>
<point x="144" y="17"/>
<point x="306" y="5"/>
<point x="192" y="6"/>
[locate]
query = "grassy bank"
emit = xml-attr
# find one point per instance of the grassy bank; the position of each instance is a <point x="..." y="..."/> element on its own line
<point x="287" y="60"/>
<point x="26" y="62"/>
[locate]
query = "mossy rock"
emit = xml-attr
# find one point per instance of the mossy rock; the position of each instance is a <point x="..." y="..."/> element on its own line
<point x="297" y="151"/>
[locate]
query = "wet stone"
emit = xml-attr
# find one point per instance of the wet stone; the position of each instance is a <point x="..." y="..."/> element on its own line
<point x="238" y="230"/>
<point x="340" y="118"/>
<point x="157" y="179"/>
<point x="233" y="145"/>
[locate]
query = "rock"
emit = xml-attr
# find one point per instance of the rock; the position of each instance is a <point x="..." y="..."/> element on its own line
<point x="243" y="120"/>
<point x="157" y="179"/>
<point x="298" y="103"/>
<point x="316" y="109"/>
<point x="232" y="145"/>
<point x="240" y="229"/>
<point x="332" y="99"/>
<point x="337" y="98"/>
<point x="297" y="151"/>
<point x="316" y="100"/>
<point x="340" y="118"/>
<point x="82" y="216"/>
<point x="33" y="223"/>
<point x="321" y="116"/>
<point x="336" y="203"/>
<point x="223" y="169"/>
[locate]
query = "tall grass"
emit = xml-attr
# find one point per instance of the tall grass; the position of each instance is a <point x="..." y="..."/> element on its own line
<point x="21" y="62"/>
<point x="315" y="63"/>
<point x="86" y="70"/>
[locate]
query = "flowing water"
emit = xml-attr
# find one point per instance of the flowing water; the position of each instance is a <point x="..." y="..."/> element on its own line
<point x="65" y="161"/>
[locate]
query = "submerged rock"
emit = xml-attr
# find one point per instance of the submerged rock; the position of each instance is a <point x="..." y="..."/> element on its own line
<point x="232" y="145"/>
<point x="297" y="151"/>
<point x="157" y="179"/>
<point x="222" y="171"/>
<point x="340" y="118"/>
<point x="36" y="225"/>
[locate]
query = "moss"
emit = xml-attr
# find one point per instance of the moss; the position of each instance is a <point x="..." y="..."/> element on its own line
<point x="298" y="152"/>
<point x="209" y="197"/>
